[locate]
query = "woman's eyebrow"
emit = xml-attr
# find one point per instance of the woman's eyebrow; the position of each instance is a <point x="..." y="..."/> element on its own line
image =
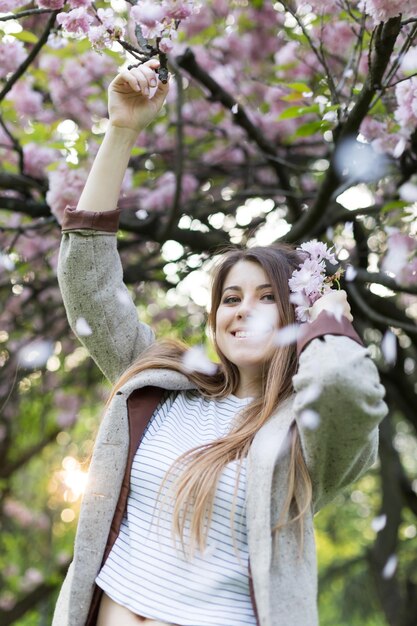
<point x="237" y="288"/>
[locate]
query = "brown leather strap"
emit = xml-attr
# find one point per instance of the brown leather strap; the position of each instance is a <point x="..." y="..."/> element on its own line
<point x="140" y="406"/>
<point x="105" y="221"/>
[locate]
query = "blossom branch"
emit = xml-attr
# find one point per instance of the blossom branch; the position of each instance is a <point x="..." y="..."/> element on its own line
<point x="385" y="37"/>
<point x="16" y="16"/>
<point x="30" y="58"/>
<point x="188" y="62"/>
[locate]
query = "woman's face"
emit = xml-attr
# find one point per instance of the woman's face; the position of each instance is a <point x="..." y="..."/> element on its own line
<point x="247" y="322"/>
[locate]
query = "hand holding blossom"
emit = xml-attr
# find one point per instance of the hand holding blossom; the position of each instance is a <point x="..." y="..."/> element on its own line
<point x="311" y="289"/>
<point x="136" y="96"/>
<point x="334" y="302"/>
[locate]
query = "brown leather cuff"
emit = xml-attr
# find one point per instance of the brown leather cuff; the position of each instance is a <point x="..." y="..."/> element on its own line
<point x="104" y="221"/>
<point x="326" y="324"/>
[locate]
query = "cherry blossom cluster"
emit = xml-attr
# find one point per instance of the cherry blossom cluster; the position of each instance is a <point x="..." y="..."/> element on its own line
<point x="157" y="19"/>
<point x="309" y="282"/>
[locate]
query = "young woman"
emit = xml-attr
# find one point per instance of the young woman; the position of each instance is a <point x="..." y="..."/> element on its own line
<point x="202" y="488"/>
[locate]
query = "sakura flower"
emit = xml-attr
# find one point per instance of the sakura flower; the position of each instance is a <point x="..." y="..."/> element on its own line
<point x="75" y="4"/>
<point x="12" y="54"/>
<point x="309" y="282"/>
<point x="318" y="251"/>
<point x="50" y="4"/>
<point x="65" y="187"/>
<point x="77" y="21"/>
<point x="383" y="10"/>
<point x="150" y="17"/>
<point x="178" y="9"/>
<point x="406" y="94"/>
<point x="37" y="158"/>
<point x="401" y="254"/>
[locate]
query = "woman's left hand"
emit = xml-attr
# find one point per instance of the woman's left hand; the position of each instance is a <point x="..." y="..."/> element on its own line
<point x="335" y="302"/>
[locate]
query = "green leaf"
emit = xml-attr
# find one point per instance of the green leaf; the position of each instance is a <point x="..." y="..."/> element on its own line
<point x="394" y="206"/>
<point x="26" y="36"/>
<point x="311" y="128"/>
<point x="297" y="111"/>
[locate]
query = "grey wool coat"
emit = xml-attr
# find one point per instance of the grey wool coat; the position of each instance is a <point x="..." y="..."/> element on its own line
<point x="336" y="378"/>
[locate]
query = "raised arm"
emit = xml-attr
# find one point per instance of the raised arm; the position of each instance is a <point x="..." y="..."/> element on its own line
<point x="99" y="307"/>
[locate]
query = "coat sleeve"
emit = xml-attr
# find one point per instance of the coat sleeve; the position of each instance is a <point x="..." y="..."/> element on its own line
<point x="99" y="307"/>
<point x="338" y="405"/>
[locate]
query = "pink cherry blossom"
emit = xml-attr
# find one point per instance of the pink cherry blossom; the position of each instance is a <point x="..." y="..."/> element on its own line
<point x="75" y="4"/>
<point x="50" y="4"/>
<point x="12" y="54"/>
<point x="37" y="158"/>
<point x="65" y="187"/>
<point x="406" y="113"/>
<point x="162" y="197"/>
<point x="10" y="5"/>
<point x="318" y="251"/>
<point x="383" y="10"/>
<point x="166" y="45"/>
<point x="108" y="18"/>
<point x="77" y="21"/>
<point x="178" y="9"/>
<point x="27" y="101"/>
<point x="150" y="17"/>
<point x="401" y="257"/>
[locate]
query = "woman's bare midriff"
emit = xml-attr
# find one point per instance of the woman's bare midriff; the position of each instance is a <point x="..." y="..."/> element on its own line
<point x="113" y="614"/>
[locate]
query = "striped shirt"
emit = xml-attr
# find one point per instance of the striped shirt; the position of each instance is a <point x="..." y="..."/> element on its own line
<point x="145" y="571"/>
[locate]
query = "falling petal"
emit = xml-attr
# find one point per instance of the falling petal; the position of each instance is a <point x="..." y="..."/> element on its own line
<point x="378" y="523"/>
<point x="82" y="327"/>
<point x="390" y="567"/>
<point x="235" y="108"/>
<point x="142" y="214"/>
<point x="309" y="419"/>
<point x="261" y="322"/>
<point x="287" y="335"/>
<point x="311" y="394"/>
<point x="350" y="273"/>
<point x="196" y="360"/>
<point x="123" y="297"/>
<point x="389" y="347"/>
<point x="36" y="354"/>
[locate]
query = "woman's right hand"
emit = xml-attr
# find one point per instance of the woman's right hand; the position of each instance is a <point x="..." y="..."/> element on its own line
<point x="129" y="103"/>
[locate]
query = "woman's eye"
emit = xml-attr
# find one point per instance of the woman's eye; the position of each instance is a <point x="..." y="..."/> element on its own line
<point x="269" y="296"/>
<point x="231" y="300"/>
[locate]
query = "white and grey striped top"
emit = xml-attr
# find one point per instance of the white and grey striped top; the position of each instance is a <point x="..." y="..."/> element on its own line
<point x="145" y="572"/>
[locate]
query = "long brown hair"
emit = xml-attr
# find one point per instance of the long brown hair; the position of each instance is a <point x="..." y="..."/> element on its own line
<point x="195" y="474"/>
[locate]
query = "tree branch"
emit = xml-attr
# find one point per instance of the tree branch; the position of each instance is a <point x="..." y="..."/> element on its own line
<point x="385" y="37"/>
<point x="188" y="62"/>
<point x="31" y="57"/>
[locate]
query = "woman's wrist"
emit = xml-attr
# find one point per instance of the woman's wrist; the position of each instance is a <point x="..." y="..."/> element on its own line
<point x="122" y="134"/>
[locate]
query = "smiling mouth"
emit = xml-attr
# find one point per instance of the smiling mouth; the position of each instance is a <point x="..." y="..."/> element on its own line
<point x="244" y="334"/>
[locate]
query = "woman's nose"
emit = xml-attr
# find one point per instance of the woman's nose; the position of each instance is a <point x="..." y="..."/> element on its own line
<point x="243" y="310"/>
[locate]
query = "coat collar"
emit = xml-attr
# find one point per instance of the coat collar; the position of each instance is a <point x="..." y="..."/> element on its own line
<point x="164" y="378"/>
